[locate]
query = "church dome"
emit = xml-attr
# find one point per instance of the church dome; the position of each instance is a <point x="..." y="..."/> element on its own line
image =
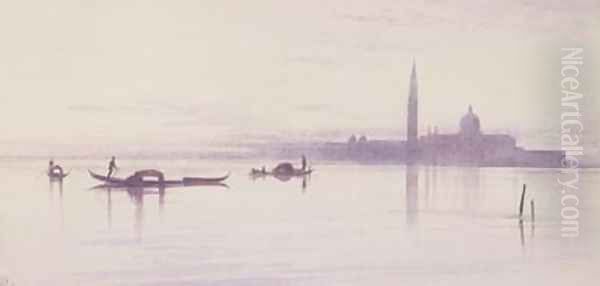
<point x="469" y="124"/>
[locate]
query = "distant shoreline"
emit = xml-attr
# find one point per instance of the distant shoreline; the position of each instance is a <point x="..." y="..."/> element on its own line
<point x="259" y="160"/>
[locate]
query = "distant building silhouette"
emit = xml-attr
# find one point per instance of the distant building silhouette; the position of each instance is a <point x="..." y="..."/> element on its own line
<point x="352" y="140"/>
<point x="470" y="145"/>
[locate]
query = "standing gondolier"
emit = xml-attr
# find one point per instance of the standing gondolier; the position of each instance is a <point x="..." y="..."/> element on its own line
<point x="50" y="167"/>
<point x="303" y="163"/>
<point x="112" y="166"/>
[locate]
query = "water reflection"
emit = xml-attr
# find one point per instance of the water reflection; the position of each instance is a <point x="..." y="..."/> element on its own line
<point x="109" y="207"/>
<point x="470" y="181"/>
<point x="304" y="185"/>
<point x="161" y="201"/>
<point x="412" y="194"/>
<point x="283" y="178"/>
<point x="58" y="183"/>
<point x="427" y="185"/>
<point x="460" y="194"/>
<point x="522" y="231"/>
<point x="136" y="196"/>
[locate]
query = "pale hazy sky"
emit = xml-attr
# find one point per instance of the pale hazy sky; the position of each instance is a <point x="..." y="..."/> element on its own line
<point x="179" y="73"/>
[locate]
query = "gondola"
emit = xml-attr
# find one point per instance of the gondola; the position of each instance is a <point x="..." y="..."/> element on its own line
<point x="200" y="180"/>
<point x="136" y="180"/>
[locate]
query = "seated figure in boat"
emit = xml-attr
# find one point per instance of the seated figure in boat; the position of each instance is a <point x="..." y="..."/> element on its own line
<point x="54" y="169"/>
<point x="288" y="169"/>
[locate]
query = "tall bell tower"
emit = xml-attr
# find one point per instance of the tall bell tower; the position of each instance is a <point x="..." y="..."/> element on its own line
<point x="412" y="122"/>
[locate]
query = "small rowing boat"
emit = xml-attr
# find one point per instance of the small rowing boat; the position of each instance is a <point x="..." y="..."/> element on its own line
<point x="287" y="169"/>
<point x="57" y="176"/>
<point x="283" y="171"/>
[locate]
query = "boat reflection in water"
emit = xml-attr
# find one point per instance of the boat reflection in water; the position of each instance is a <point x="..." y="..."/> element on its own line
<point x="255" y="175"/>
<point x="59" y="183"/>
<point x="137" y="194"/>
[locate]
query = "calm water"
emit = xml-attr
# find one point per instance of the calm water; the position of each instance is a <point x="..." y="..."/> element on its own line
<point x="348" y="225"/>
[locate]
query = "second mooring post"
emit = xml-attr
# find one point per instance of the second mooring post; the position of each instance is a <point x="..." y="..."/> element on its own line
<point x="532" y="210"/>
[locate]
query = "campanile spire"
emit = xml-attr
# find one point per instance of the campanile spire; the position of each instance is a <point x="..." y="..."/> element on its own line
<point x="412" y="122"/>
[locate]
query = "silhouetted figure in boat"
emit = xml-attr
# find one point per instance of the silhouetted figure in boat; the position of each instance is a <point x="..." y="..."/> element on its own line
<point x="303" y="163"/>
<point x="112" y="167"/>
<point x="54" y="169"/>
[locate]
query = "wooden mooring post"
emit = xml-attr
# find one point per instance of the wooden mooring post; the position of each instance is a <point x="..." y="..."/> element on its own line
<point x="522" y="205"/>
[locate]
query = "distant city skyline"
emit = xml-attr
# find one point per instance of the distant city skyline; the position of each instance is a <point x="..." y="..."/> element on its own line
<point x="469" y="146"/>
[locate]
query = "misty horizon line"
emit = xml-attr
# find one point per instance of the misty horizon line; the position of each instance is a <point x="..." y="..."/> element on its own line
<point x="270" y="137"/>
